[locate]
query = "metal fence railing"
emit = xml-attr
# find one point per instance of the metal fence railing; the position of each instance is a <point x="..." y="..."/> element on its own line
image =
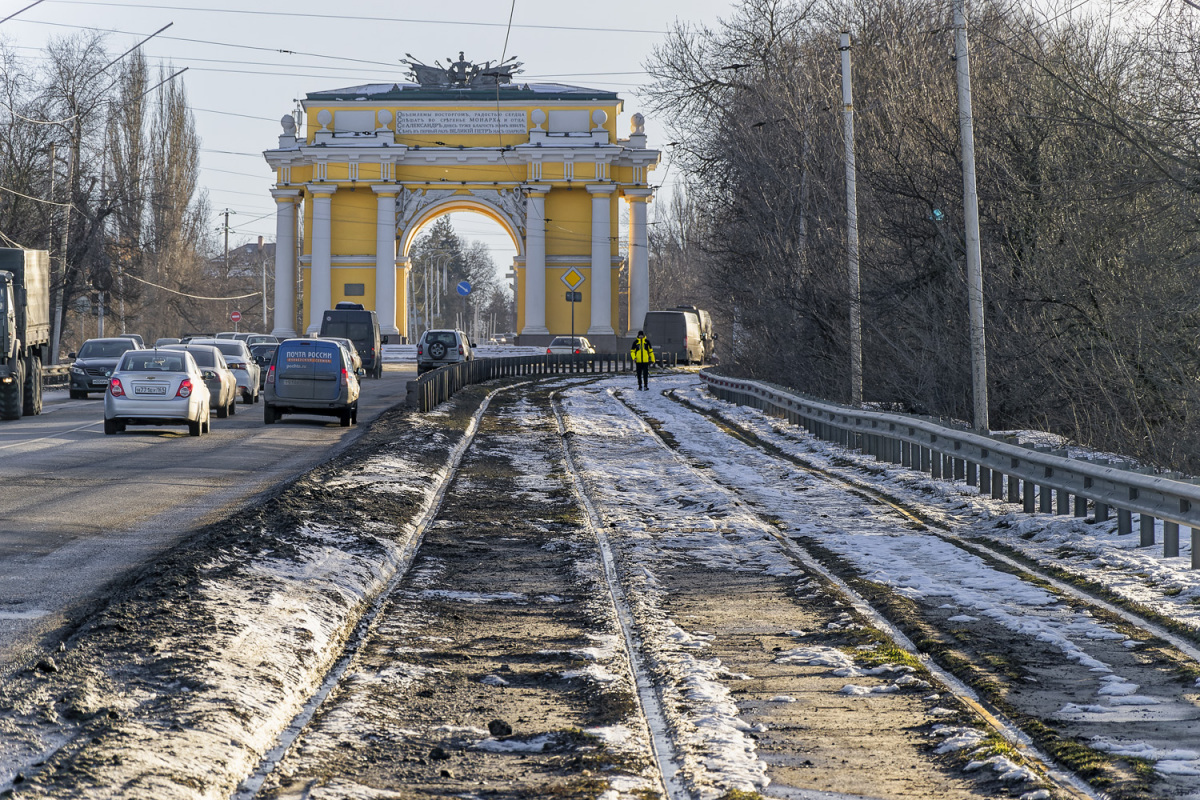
<point x="439" y="385"/>
<point x="1039" y="478"/>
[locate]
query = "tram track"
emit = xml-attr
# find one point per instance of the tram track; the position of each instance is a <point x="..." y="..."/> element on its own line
<point x="1018" y="727"/>
<point x="662" y="780"/>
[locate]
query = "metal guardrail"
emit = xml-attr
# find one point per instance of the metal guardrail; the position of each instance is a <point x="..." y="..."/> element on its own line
<point x="56" y="376"/>
<point x="1041" y="479"/>
<point x="439" y="385"/>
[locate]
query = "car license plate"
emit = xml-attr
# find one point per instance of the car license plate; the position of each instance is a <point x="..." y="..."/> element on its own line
<point x="161" y="390"/>
<point x="99" y="382"/>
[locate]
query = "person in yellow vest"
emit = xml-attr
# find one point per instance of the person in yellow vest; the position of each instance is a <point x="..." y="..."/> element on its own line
<point x="642" y="354"/>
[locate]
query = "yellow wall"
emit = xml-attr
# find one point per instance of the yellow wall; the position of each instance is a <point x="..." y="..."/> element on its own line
<point x="569" y="224"/>
<point x="340" y="276"/>
<point x="353" y="213"/>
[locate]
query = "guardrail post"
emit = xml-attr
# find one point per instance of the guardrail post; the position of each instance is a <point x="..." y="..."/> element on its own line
<point x="1080" y="506"/>
<point x="960" y="469"/>
<point x="1045" y="500"/>
<point x="1101" y="512"/>
<point x="948" y="466"/>
<point x="1146" y="529"/>
<point x="935" y="464"/>
<point x="1064" y="501"/>
<point x="997" y="485"/>
<point x="1014" y="489"/>
<point x="1030" y="497"/>
<point x="972" y="474"/>
<point x="1195" y="548"/>
<point x="1170" y="539"/>
<point x="985" y="479"/>
<point x="1124" y="522"/>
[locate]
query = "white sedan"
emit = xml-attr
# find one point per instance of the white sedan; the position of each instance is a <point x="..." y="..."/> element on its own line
<point x="565" y="345"/>
<point x="157" y="387"/>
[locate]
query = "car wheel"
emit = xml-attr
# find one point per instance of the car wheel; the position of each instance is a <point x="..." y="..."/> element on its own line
<point x="233" y="405"/>
<point x="437" y="350"/>
<point x="195" y="427"/>
<point x="379" y="370"/>
<point x="256" y="396"/>
<point x="269" y="415"/>
<point x="345" y="418"/>
<point x="222" y="412"/>
<point x="110" y="426"/>
<point x="354" y="414"/>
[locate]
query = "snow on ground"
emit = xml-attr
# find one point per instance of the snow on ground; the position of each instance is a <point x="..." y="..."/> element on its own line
<point x="922" y="566"/>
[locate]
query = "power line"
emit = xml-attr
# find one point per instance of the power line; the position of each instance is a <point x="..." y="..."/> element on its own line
<point x="311" y="15"/>
<point x="10" y="16"/>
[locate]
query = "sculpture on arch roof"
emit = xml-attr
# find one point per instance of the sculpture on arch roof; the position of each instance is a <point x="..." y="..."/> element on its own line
<point x="461" y="74"/>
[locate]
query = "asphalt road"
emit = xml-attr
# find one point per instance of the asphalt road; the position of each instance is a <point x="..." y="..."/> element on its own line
<point x="79" y="510"/>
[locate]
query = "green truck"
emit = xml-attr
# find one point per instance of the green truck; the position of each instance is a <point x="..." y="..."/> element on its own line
<point x="24" y="329"/>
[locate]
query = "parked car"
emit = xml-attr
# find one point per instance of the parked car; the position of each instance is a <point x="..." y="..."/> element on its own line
<point x="311" y="376"/>
<point x="226" y="335"/>
<point x="157" y="387"/>
<point x="437" y="348"/>
<point x="237" y="356"/>
<point x="221" y="382"/>
<point x="259" y="338"/>
<point x="565" y="345"/>
<point x="165" y="340"/>
<point x="262" y="354"/>
<point x="137" y="337"/>
<point x="355" y="358"/>
<point x="352" y="321"/>
<point x="94" y="364"/>
<point x="675" y="332"/>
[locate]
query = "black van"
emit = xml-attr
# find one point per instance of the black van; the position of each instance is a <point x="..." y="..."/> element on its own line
<point x="352" y="321"/>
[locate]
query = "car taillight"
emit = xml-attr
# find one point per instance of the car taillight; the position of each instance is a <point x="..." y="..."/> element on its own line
<point x="115" y="388"/>
<point x="460" y="350"/>
<point x="185" y="388"/>
<point x="271" y="374"/>
<point x="420" y="350"/>
<point x="576" y="351"/>
<point x="547" y="351"/>
<point x="345" y="377"/>
<point x="235" y="365"/>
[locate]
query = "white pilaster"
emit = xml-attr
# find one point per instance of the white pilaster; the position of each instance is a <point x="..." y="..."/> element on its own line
<point x="320" y="293"/>
<point x="285" y="262"/>
<point x="385" y="258"/>
<point x="535" y="261"/>
<point x="601" y="261"/>
<point x="639" y="257"/>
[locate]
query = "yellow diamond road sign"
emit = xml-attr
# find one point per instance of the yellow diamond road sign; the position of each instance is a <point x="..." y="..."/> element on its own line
<point x="573" y="279"/>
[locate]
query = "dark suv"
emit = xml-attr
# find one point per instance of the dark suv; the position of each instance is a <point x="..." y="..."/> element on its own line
<point x="438" y="348"/>
<point x="352" y="321"/>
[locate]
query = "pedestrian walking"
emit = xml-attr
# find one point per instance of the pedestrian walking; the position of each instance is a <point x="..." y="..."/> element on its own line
<point x="642" y="354"/>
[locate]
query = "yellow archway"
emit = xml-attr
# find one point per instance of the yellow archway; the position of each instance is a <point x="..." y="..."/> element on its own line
<point x="378" y="162"/>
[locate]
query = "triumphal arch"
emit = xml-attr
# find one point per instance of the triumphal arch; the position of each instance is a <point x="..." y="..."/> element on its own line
<point x="378" y="162"/>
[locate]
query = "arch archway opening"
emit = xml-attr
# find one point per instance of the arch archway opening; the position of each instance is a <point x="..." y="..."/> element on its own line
<point x="462" y="262"/>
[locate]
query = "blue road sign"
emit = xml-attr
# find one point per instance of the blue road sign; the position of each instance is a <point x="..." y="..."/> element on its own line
<point x="464" y="288"/>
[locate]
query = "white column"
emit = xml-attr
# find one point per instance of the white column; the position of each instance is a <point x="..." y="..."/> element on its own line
<point x="385" y="258"/>
<point x="285" y="262"/>
<point x="320" y="292"/>
<point x="535" y="261"/>
<point x="601" y="261"/>
<point x="639" y="257"/>
<point x="404" y="310"/>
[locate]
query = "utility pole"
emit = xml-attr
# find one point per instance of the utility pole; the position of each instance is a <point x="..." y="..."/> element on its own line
<point x="856" y="359"/>
<point x="971" y="216"/>
<point x="225" y="228"/>
<point x="262" y="262"/>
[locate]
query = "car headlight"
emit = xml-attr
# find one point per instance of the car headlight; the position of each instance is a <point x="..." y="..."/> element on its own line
<point x="77" y="370"/>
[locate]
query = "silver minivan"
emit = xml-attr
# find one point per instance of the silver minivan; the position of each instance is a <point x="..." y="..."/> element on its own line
<point x="311" y="376"/>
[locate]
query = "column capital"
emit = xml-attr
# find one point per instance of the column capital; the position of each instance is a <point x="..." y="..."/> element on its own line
<point x="321" y="188"/>
<point x="639" y="195"/>
<point x="535" y="188"/>
<point x="385" y="189"/>
<point x="285" y="195"/>
<point x="602" y="188"/>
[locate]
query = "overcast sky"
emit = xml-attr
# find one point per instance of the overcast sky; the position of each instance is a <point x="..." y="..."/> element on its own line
<point x="240" y="84"/>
